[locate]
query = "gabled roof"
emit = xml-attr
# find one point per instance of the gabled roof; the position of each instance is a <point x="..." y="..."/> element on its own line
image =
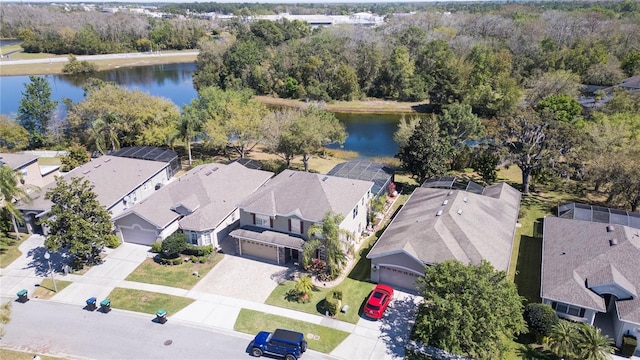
<point x="578" y="255"/>
<point x="17" y="161"/>
<point x="307" y="195"/>
<point x="112" y="179"/>
<point x="442" y="224"/>
<point x="205" y="196"/>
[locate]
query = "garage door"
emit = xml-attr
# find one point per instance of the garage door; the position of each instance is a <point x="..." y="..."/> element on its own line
<point x="138" y="236"/>
<point x="398" y="278"/>
<point x="259" y="250"/>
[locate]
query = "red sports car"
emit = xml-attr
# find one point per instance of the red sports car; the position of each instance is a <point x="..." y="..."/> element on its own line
<point x="378" y="301"/>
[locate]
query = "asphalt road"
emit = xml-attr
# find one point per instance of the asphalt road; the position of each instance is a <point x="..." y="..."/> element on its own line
<point x="63" y="330"/>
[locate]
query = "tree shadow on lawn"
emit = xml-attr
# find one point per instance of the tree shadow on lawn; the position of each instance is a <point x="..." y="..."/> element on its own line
<point x="528" y="277"/>
<point x="396" y="326"/>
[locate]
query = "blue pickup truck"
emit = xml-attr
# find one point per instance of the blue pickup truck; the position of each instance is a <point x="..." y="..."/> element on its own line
<point x="286" y="343"/>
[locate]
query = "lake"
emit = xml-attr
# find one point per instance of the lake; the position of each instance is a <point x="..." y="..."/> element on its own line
<point x="371" y="135"/>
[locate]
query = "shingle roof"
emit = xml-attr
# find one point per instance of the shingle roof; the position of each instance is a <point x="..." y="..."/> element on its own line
<point x="441" y="224"/>
<point x="209" y="193"/>
<point x="310" y="196"/>
<point x="112" y="178"/>
<point x="16" y="161"/>
<point x="578" y="254"/>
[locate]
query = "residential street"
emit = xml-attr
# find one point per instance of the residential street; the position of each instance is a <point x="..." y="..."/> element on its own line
<point x="64" y="330"/>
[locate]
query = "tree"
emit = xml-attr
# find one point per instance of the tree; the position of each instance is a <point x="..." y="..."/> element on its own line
<point x="405" y="129"/>
<point x="330" y="236"/>
<point x="10" y="191"/>
<point x="233" y="115"/>
<point x="76" y="156"/>
<point x="75" y="67"/>
<point x="562" y="339"/>
<point x="468" y="309"/>
<point x="458" y="124"/>
<point x="12" y="135"/>
<point x="524" y="136"/>
<point x="426" y="154"/>
<point x="310" y="131"/>
<point x="106" y="130"/>
<point x="577" y="341"/>
<point x="554" y="83"/>
<point x="189" y="125"/>
<point x="36" y="109"/>
<point x="77" y="221"/>
<point x="173" y="245"/>
<point x="485" y="162"/>
<point x="563" y="107"/>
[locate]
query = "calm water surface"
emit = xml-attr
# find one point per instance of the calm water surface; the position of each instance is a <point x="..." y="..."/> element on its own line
<point x="371" y="135"/>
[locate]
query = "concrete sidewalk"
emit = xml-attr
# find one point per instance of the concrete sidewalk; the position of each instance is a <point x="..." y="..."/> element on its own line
<point x="367" y="340"/>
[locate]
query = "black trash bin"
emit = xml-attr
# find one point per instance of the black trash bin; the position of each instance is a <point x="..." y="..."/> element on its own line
<point x="105" y="305"/>
<point x="161" y="315"/>
<point x="22" y="296"/>
<point x="91" y="303"/>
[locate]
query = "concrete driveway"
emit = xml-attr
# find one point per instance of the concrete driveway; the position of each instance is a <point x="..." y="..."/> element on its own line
<point x="385" y="338"/>
<point x="243" y="278"/>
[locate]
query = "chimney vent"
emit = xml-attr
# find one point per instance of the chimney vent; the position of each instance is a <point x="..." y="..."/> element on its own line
<point x="610" y="228"/>
<point x="613" y="242"/>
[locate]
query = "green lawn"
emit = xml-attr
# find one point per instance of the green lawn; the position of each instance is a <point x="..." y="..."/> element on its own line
<point x="9" y="249"/>
<point x="19" y="355"/>
<point x="146" y="301"/>
<point x="180" y="276"/>
<point x="46" y="288"/>
<point x="325" y="340"/>
<point x="354" y="293"/>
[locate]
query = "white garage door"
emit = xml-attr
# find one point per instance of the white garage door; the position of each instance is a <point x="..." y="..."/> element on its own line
<point x="138" y="236"/>
<point x="259" y="250"/>
<point x="398" y="278"/>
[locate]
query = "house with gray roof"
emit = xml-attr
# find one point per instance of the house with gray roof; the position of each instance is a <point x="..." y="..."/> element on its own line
<point x="203" y="204"/>
<point x="118" y="182"/>
<point x="275" y="219"/>
<point x="438" y="224"/>
<point x="591" y="273"/>
<point x="27" y="165"/>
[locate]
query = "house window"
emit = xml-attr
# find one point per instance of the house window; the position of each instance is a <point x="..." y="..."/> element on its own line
<point x="355" y="212"/>
<point x="193" y="238"/>
<point x="207" y="239"/>
<point x="567" y="309"/>
<point x="263" y="221"/>
<point x="296" y="226"/>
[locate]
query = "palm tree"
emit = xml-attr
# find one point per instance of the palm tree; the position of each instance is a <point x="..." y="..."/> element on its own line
<point x="189" y="126"/>
<point x="563" y="339"/>
<point x="10" y="191"/>
<point x="594" y="345"/>
<point x="105" y="129"/>
<point x="329" y="234"/>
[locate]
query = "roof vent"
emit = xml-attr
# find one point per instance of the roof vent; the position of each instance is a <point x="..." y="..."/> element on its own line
<point x="107" y="160"/>
<point x="613" y="242"/>
<point x="465" y="199"/>
<point x="208" y="173"/>
<point x="460" y="212"/>
<point x="450" y="192"/>
<point x="610" y="228"/>
<point x="439" y="213"/>
<point x="97" y="165"/>
<point x="445" y="202"/>
<point x="325" y="178"/>
<point x="86" y="172"/>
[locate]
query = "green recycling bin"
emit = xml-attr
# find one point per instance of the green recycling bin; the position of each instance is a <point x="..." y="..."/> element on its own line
<point x="161" y="315"/>
<point x="105" y="305"/>
<point x="22" y="296"/>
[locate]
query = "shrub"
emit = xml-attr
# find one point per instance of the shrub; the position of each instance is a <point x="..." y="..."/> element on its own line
<point x="540" y="318"/>
<point x="202" y="259"/>
<point x="174" y="245"/>
<point x="193" y="259"/>
<point x="196" y="250"/>
<point x="112" y="241"/>
<point x="331" y="304"/>
<point x="629" y="344"/>
<point x="156" y="247"/>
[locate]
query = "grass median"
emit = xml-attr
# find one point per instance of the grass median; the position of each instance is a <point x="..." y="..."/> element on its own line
<point x="320" y="338"/>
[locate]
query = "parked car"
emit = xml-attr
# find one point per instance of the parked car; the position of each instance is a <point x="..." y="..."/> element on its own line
<point x="286" y="343"/>
<point x="378" y="301"/>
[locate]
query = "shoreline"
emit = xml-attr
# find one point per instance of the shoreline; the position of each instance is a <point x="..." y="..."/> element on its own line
<point x="45" y="64"/>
